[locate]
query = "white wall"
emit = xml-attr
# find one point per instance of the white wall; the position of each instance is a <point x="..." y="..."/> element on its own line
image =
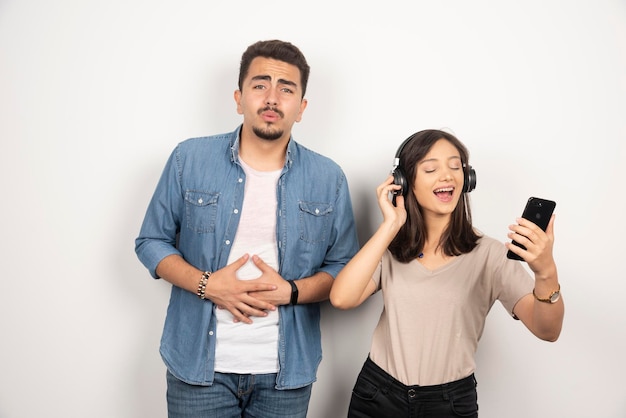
<point x="94" y="95"/>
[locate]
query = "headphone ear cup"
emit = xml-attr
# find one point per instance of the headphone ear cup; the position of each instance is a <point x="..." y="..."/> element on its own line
<point x="400" y="180"/>
<point x="469" y="183"/>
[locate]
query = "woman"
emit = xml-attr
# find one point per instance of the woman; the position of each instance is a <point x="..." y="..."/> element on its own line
<point x="439" y="277"/>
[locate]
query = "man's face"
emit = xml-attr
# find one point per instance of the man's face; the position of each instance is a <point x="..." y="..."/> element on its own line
<point x="270" y="99"/>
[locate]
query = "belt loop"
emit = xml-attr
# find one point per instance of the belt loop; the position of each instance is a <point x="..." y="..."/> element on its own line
<point x="445" y="391"/>
<point x="388" y="383"/>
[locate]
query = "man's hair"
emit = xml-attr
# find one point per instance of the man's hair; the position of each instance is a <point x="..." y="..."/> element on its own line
<point x="459" y="237"/>
<point x="278" y="50"/>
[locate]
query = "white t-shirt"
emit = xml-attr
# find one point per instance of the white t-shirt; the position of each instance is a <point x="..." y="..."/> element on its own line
<point x="429" y="329"/>
<point x="252" y="348"/>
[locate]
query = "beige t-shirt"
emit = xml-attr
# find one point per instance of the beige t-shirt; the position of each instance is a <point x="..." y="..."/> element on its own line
<point x="432" y="320"/>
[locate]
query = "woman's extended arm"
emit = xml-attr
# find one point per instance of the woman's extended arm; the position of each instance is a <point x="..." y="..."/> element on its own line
<point x="542" y="318"/>
<point x="354" y="284"/>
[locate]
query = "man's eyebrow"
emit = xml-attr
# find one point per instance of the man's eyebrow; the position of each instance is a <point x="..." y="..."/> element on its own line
<point x="262" y="77"/>
<point x="287" y="82"/>
<point x="280" y="80"/>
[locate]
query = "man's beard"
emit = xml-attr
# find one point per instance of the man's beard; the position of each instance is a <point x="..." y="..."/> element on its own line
<point x="267" y="133"/>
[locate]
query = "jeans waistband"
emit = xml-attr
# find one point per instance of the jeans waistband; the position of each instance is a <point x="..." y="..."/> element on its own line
<point x="416" y="391"/>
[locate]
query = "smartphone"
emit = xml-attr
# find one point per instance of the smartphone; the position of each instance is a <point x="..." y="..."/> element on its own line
<point x="538" y="211"/>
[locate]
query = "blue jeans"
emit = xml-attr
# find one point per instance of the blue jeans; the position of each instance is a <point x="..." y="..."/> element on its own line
<point x="377" y="394"/>
<point x="236" y="396"/>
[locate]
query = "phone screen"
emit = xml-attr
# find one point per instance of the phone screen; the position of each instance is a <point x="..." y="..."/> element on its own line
<point x="538" y="211"/>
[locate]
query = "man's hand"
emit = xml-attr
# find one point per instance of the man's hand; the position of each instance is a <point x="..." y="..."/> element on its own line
<point x="281" y="294"/>
<point x="241" y="297"/>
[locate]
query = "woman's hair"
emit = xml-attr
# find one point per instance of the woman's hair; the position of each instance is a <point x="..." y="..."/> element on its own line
<point x="278" y="50"/>
<point x="459" y="237"/>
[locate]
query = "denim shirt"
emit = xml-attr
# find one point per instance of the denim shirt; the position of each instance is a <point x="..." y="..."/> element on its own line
<point x="195" y="212"/>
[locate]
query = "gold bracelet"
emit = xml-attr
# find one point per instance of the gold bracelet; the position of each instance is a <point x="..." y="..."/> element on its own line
<point x="202" y="285"/>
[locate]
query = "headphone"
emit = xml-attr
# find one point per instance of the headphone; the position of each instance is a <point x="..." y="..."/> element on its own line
<point x="469" y="180"/>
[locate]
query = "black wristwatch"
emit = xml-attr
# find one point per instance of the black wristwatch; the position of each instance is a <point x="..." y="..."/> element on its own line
<point x="294" y="292"/>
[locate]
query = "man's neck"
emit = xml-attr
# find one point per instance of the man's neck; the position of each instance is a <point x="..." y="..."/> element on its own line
<point x="263" y="154"/>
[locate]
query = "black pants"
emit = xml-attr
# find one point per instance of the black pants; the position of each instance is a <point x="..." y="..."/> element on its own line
<point x="378" y="395"/>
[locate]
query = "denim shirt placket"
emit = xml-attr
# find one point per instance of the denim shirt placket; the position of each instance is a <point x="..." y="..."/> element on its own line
<point x="281" y="236"/>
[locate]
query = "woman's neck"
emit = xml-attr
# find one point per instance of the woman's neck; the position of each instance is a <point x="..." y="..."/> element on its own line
<point x="435" y="228"/>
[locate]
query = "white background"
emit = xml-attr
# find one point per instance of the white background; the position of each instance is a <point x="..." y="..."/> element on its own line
<point x="94" y="95"/>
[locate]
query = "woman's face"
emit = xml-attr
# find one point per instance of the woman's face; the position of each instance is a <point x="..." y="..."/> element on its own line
<point x="439" y="178"/>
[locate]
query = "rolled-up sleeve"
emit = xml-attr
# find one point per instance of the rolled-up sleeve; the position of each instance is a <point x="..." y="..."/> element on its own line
<point x="344" y="240"/>
<point x="157" y="236"/>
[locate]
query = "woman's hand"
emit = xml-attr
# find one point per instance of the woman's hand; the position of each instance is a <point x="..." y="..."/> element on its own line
<point x="539" y="244"/>
<point x="392" y="215"/>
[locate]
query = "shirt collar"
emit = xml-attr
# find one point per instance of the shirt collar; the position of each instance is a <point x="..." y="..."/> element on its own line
<point x="292" y="150"/>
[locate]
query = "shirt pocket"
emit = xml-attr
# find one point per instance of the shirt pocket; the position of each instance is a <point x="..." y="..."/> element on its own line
<point x="315" y="219"/>
<point x="201" y="211"/>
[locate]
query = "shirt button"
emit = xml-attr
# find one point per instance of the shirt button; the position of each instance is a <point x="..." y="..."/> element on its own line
<point x="227" y="242"/>
<point x="236" y="211"/>
<point x="200" y="201"/>
<point x="240" y="180"/>
<point x="210" y="332"/>
<point x="317" y="211"/>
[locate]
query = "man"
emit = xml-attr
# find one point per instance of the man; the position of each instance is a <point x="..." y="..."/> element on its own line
<point x="250" y="228"/>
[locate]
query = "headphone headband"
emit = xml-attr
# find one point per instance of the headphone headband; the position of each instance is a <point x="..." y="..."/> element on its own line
<point x="396" y="161"/>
